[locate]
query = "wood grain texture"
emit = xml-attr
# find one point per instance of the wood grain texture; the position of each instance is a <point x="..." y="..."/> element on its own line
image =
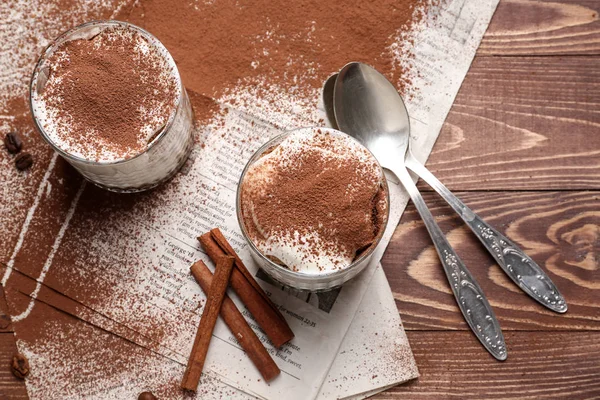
<point x="523" y="124"/>
<point x="559" y="230"/>
<point x="540" y="365"/>
<point x="546" y="27"/>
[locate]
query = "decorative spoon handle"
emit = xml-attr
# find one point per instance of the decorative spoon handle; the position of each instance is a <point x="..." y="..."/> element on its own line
<point x="470" y="298"/>
<point x="513" y="261"/>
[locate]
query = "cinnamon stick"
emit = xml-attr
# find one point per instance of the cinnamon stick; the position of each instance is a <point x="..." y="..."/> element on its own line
<point x="252" y="295"/>
<point x="218" y="237"/>
<point x="234" y="319"/>
<point x="215" y="296"/>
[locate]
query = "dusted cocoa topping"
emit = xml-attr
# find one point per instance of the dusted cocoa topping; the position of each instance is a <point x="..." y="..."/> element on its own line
<point x="293" y="46"/>
<point x="107" y="96"/>
<point x="315" y="201"/>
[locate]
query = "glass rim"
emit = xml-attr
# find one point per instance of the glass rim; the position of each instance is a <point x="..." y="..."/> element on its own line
<point x="299" y="274"/>
<point x="64" y="37"/>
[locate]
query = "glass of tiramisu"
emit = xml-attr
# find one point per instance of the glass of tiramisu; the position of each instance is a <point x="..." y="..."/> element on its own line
<point x="107" y="96"/>
<point x="313" y="204"/>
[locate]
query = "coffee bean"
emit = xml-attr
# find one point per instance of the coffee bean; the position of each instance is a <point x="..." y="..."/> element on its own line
<point x="20" y="366"/>
<point x="4" y="320"/>
<point x="13" y="143"/>
<point x="147" y="396"/>
<point x="23" y="161"/>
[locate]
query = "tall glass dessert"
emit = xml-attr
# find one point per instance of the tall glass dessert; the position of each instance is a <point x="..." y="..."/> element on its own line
<point x="313" y="204"/>
<point x="107" y="97"/>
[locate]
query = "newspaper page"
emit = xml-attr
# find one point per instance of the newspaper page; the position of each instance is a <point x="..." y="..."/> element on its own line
<point x="375" y="353"/>
<point x="204" y="197"/>
<point x="155" y="239"/>
<point x="141" y="258"/>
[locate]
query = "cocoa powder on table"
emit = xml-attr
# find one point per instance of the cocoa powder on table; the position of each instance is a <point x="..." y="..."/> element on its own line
<point x="219" y="45"/>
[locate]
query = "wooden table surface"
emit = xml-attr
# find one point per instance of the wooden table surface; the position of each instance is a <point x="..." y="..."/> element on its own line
<point x="521" y="146"/>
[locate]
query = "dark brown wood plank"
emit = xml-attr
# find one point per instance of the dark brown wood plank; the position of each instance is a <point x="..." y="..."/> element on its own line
<point x="11" y="388"/>
<point x="559" y="230"/>
<point x="523" y="123"/>
<point x="527" y="27"/>
<point x="540" y="365"/>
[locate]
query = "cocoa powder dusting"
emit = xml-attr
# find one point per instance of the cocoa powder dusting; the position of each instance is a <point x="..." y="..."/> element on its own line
<point x="108" y="94"/>
<point x="219" y="45"/>
<point x="316" y="194"/>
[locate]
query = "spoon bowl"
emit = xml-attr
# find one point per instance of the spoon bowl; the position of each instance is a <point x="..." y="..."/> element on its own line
<point x="328" y="100"/>
<point x="368" y="107"/>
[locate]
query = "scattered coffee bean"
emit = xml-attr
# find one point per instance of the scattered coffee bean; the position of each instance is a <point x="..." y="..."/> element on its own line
<point x="4" y="320"/>
<point x="23" y="161"/>
<point x="20" y="366"/>
<point x="147" y="396"/>
<point x="13" y="143"/>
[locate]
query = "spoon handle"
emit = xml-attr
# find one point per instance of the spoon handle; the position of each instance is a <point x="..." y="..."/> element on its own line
<point x="470" y="298"/>
<point x="513" y="261"/>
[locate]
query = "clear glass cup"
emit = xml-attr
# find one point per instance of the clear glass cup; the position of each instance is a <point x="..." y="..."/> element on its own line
<point x="313" y="282"/>
<point x="164" y="155"/>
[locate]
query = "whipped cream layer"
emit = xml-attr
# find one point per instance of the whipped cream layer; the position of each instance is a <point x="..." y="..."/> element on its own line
<point x="314" y="202"/>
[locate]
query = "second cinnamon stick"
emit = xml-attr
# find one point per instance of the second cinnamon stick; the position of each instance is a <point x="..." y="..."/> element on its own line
<point x="260" y="306"/>
<point x="239" y="327"/>
<point x="215" y="294"/>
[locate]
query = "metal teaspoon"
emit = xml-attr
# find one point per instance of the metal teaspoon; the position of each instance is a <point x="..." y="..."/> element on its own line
<point x="369" y="108"/>
<point x="513" y="261"/>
